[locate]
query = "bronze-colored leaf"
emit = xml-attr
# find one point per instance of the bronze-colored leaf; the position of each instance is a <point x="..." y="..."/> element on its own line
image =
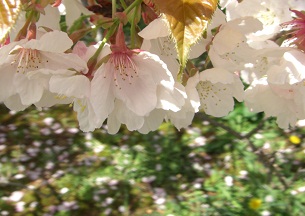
<point x="187" y="21"/>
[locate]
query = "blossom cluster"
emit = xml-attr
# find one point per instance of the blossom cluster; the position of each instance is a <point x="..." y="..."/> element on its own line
<point x="255" y="43"/>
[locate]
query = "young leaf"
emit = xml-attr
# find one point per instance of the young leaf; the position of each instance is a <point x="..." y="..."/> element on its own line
<point x="9" y="11"/>
<point x="187" y="20"/>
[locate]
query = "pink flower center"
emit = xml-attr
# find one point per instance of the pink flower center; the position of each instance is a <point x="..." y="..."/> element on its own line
<point x="122" y="67"/>
<point x="26" y="59"/>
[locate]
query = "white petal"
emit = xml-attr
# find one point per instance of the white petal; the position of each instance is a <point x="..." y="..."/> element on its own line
<point x="217" y="75"/>
<point x="55" y="41"/>
<point x="157" y="28"/>
<point x="73" y="11"/>
<point x="152" y="121"/>
<point x="225" y="41"/>
<point x="181" y="119"/>
<point x="14" y="103"/>
<point x="122" y="115"/>
<point x="171" y="98"/>
<point x="56" y="61"/>
<point x="50" y="19"/>
<point x="6" y="82"/>
<point x="49" y="99"/>
<point x="151" y="64"/>
<point x="30" y="90"/>
<point x="73" y="86"/>
<point x="140" y="96"/>
<point x="85" y="115"/>
<point x="102" y="96"/>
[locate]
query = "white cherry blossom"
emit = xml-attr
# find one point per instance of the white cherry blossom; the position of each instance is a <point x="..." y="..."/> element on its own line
<point x="29" y="64"/>
<point x="216" y="88"/>
<point x="281" y="93"/>
<point x="270" y="12"/>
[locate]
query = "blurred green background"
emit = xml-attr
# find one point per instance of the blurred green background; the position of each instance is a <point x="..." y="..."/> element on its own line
<point x="239" y="165"/>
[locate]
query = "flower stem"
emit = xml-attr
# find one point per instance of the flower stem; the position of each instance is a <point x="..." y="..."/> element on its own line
<point x="130" y="7"/>
<point x="123" y="4"/>
<point x="93" y="60"/>
<point x="23" y="31"/>
<point x="133" y="28"/>
<point x="113" y="8"/>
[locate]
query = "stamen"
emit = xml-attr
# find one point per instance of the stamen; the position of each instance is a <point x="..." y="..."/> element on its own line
<point x="122" y="67"/>
<point x="27" y="59"/>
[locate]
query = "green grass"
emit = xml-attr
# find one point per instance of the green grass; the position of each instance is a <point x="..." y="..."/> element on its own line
<point x="61" y="171"/>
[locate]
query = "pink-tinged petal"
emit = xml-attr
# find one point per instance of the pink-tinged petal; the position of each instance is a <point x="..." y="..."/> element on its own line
<point x="80" y="49"/>
<point x="5" y="51"/>
<point x="140" y="96"/>
<point x="72" y="86"/>
<point x="93" y="48"/>
<point x="166" y="51"/>
<point x="63" y="61"/>
<point x="193" y="99"/>
<point x="245" y="25"/>
<point x="151" y="64"/>
<point x="102" y="96"/>
<point x="136" y="83"/>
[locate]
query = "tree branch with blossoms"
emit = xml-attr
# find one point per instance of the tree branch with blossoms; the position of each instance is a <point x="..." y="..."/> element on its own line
<point x="132" y="62"/>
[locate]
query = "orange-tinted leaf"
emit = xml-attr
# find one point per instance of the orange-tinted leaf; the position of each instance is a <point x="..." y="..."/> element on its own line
<point x="187" y="20"/>
<point x="9" y="11"/>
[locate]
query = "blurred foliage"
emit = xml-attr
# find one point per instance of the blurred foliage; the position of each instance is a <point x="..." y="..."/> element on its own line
<point x="239" y="165"/>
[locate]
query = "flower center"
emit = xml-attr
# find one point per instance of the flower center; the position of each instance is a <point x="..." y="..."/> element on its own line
<point x="122" y="67"/>
<point x="208" y="93"/>
<point x="26" y="60"/>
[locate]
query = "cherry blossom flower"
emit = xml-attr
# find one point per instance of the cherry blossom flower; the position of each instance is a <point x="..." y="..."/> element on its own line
<point x="216" y="88"/>
<point x="281" y="93"/>
<point x="229" y="48"/>
<point x="78" y="87"/>
<point x="179" y="118"/>
<point x="266" y="54"/>
<point x="157" y="41"/>
<point x="270" y="12"/>
<point x="27" y="66"/>
<point x="135" y="82"/>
